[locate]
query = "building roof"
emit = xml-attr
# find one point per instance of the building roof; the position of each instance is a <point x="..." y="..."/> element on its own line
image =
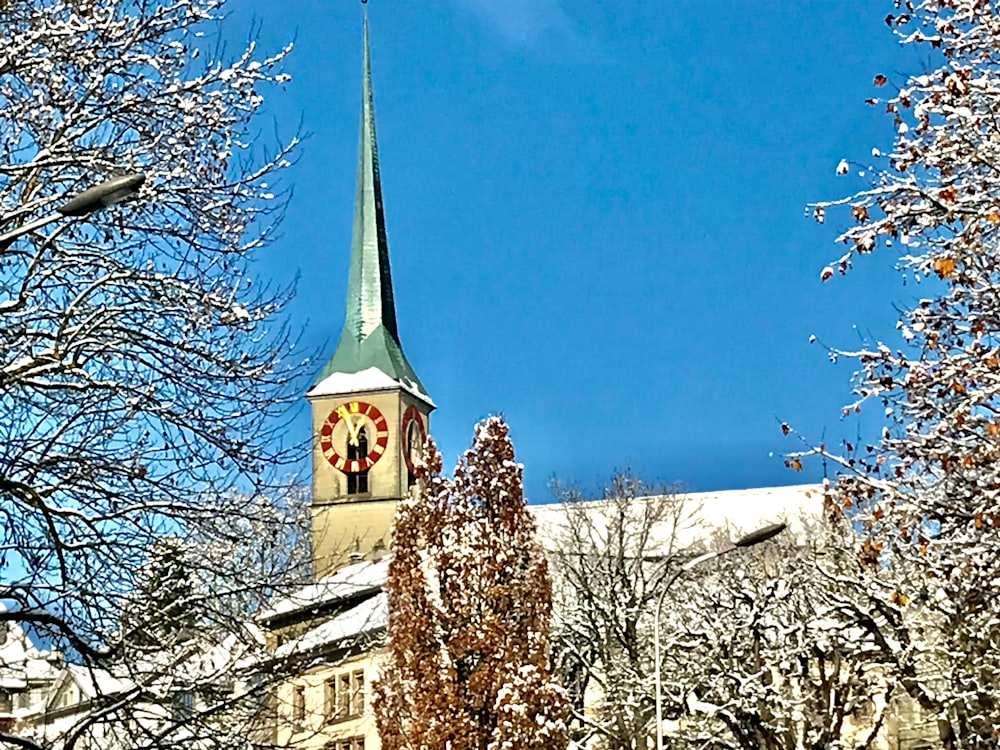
<point x="360" y="607"/>
<point x="348" y="583"/>
<point x="736" y="512"/>
<point x="365" y="381"/>
<point x="94" y="683"/>
<point x="370" y="337"/>
<point x="21" y="662"/>
<point x="369" y="617"/>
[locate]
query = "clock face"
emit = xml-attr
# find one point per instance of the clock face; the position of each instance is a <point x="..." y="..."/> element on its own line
<point x="412" y="433"/>
<point x="354" y="437"/>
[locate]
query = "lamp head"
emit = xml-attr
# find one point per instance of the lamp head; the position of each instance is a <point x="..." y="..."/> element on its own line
<point x="101" y="196"/>
<point x="760" y="535"/>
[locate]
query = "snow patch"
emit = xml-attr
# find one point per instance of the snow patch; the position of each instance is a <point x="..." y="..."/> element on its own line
<point x="371" y="379"/>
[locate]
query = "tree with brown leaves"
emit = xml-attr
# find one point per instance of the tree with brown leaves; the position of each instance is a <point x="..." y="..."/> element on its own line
<point x="469" y="606"/>
<point x="927" y="494"/>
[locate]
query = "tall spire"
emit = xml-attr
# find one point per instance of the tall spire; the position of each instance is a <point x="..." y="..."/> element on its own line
<point x="370" y="337"/>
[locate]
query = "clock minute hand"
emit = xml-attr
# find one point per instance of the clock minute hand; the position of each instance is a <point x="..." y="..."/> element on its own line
<point x="358" y="426"/>
<point x="352" y="429"/>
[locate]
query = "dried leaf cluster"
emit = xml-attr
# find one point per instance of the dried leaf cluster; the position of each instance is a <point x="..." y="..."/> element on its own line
<point x="470" y="601"/>
<point x="926" y="494"/>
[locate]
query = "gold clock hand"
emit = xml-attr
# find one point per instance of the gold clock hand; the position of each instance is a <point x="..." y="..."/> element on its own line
<point x="358" y="426"/>
<point x="352" y="429"/>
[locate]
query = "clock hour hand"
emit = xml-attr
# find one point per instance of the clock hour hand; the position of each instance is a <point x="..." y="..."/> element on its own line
<point x="357" y="427"/>
<point x="352" y="429"/>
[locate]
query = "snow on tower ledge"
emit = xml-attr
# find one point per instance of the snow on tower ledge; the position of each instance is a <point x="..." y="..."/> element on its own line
<point x="365" y="381"/>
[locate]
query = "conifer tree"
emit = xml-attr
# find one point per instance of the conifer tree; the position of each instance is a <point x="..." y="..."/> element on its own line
<point x="469" y="608"/>
<point x="164" y="610"/>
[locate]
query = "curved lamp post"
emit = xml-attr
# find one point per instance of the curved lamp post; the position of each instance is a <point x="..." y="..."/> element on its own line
<point x="92" y="199"/>
<point x="754" y="537"/>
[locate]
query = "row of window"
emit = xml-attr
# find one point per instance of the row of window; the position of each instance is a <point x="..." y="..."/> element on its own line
<point x="343" y="698"/>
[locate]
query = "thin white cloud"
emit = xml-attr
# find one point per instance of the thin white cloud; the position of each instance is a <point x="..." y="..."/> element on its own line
<point x="523" y="22"/>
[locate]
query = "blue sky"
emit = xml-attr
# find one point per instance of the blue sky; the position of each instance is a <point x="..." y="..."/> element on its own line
<point x="596" y="218"/>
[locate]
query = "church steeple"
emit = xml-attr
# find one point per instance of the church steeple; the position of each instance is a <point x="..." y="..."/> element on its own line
<point x="370" y="337"/>
<point x="370" y="413"/>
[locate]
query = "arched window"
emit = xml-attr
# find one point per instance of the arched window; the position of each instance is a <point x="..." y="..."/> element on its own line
<point x="357" y="482"/>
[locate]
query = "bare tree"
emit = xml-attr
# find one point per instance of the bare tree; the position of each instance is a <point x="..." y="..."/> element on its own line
<point x="790" y="646"/>
<point x="610" y="558"/>
<point x="143" y="373"/>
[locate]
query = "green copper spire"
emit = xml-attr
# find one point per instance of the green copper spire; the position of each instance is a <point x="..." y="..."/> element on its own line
<point x="370" y="337"/>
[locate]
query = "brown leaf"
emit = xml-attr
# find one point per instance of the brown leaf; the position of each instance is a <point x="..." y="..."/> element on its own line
<point x="881" y="80"/>
<point x="944" y="267"/>
<point x="948" y="194"/>
<point x="795" y="464"/>
<point x="860" y="213"/>
<point x="785" y="429"/>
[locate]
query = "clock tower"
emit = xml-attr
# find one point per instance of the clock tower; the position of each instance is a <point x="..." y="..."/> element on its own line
<point x="369" y="409"/>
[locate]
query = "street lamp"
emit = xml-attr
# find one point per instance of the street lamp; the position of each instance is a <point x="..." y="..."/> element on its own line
<point x="92" y="199"/>
<point x="749" y="540"/>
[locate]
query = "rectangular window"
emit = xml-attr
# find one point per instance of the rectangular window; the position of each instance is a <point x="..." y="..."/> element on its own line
<point x="330" y="699"/>
<point x="355" y="743"/>
<point x="357" y="693"/>
<point x="183" y="706"/>
<point x="299" y="703"/>
<point x="357" y="483"/>
<point x="345" y="695"/>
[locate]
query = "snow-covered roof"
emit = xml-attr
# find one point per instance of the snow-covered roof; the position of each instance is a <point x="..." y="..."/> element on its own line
<point x="94" y="683"/>
<point x="365" y="381"/>
<point x="207" y="657"/>
<point x="21" y="662"/>
<point x="349" y="582"/>
<point x="739" y="511"/>
<point x="369" y="616"/>
<point x="705" y="513"/>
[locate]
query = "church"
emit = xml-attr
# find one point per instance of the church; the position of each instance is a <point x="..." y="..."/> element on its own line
<point x="370" y="414"/>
